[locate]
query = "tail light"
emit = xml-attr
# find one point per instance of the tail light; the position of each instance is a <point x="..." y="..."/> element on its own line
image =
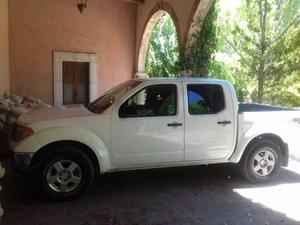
<point x="22" y="133"/>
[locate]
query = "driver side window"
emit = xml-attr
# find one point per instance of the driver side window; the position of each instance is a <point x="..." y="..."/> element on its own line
<point x="154" y="100"/>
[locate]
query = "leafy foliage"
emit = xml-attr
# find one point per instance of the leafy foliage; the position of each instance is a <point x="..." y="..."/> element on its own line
<point x="198" y="58"/>
<point x="265" y="37"/>
<point x="163" y="51"/>
<point x="256" y="47"/>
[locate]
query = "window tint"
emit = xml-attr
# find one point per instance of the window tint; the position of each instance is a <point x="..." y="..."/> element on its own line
<point x="205" y="99"/>
<point x="154" y="100"/>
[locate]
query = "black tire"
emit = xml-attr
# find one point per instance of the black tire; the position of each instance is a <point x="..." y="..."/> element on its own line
<point x="63" y="155"/>
<point x="263" y="172"/>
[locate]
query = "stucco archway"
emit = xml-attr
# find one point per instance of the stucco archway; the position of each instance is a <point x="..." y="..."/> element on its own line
<point x="199" y="12"/>
<point x="160" y="9"/>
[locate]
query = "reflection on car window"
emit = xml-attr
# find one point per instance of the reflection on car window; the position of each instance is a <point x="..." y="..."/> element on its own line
<point x="205" y="99"/>
<point x="154" y="100"/>
<point x="102" y="103"/>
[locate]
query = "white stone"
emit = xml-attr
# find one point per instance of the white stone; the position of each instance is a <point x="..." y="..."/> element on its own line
<point x="17" y="98"/>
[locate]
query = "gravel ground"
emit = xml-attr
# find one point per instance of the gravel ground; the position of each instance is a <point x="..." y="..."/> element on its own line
<point x="208" y="195"/>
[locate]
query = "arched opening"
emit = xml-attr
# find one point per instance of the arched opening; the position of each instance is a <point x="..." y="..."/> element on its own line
<point x="163" y="51"/>
<point x="146" y="38"/>
<point x="161" y="13"/>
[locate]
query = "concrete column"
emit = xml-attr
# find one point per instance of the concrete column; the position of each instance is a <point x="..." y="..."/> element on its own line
<point x="4" y="62"/>
<point x="140" y="75"/>
<point x="4" y="56"/>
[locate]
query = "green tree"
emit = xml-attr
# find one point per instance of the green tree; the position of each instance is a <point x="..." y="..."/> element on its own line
<point x="264" y="37"/>
<point x="163" y="52"/>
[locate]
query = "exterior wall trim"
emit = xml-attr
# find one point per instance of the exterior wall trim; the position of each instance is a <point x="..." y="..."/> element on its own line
<point x="59" y="58"/>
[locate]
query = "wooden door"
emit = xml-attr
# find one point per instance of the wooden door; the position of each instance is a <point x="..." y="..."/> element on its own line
<point x="75" y="83"/>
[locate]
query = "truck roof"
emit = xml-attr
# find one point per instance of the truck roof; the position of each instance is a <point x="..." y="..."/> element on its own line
<point x="188" y="79"/>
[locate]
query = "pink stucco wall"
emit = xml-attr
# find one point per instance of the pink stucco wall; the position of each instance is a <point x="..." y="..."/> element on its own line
<point x="39" y="27"/>
<point x="4" y="55"/>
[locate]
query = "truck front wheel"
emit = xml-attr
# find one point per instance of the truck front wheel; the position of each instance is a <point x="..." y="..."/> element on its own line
<point x="261" y="162"/>
<point x="64" y="173"/>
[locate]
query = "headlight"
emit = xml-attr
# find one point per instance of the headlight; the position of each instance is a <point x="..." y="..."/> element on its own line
<point x="22" y="133"/>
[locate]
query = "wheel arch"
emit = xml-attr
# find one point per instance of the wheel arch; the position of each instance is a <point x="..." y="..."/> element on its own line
<point x="78" y="145"/>
<point x="284" y="150"/>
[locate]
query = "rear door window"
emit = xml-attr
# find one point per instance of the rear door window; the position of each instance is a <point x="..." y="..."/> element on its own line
<point x="205" y="99"/>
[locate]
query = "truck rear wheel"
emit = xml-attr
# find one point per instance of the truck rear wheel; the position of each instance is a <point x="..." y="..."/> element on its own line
<point x="64" y="173"/>
<point x="261" y="162"/>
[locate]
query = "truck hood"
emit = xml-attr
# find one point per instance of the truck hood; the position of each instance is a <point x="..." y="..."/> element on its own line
<point x="52" y="114"/>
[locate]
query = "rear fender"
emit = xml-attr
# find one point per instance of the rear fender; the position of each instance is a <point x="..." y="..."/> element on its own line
<point x="258" y="131"/>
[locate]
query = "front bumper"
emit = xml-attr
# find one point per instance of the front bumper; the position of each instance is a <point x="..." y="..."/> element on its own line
<point x="21" y="156"/>
<point x="21" y="162"/>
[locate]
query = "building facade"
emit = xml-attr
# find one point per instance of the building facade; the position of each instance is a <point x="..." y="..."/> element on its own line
<point x="46" y="46"/>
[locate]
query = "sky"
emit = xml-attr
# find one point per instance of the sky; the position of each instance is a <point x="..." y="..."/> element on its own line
<point x="229" y="5"/>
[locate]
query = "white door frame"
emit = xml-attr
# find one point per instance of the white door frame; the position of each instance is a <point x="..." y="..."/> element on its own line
<point x="59" y="58"/>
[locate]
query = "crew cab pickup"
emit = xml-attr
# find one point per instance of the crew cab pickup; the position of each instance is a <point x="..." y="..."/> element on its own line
<point x="151" y="123"/>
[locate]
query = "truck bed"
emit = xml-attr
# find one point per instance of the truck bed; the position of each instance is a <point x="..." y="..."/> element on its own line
<point x="284" y="119"/>
<point x="255" y="107"/>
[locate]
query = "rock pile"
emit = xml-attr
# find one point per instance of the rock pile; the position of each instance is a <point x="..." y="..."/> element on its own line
<point x="13" y="105"/>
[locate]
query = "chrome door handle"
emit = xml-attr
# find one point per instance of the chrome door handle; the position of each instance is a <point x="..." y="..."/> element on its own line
<point x="174" y="124"/>
<point x="225" y="122"/>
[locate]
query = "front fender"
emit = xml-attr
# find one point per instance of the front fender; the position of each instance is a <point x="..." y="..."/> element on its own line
<point x="47" y="136"/>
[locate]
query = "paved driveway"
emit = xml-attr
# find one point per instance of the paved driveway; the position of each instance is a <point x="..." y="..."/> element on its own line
<point x="208" y="195"/>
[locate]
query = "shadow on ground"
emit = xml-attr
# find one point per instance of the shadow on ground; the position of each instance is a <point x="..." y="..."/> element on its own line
<point x="178" y="196"/>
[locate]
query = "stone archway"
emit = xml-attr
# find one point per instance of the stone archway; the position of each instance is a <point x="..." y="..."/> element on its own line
<point x="161" y="8"/>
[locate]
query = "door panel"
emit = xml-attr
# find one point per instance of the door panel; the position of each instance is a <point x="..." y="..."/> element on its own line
<point x="142" y="133"/>
<point x="82" y="82"/>
<point x="68" y="82"/>
<point x="209" y="122"/>
<point x="76" y="82"/>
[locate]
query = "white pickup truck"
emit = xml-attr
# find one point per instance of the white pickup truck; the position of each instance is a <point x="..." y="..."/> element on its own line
<point x="151" y="123"/>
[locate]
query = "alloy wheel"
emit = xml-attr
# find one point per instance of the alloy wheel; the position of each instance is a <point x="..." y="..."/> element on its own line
<point x="64" y="176"/>
<point x="263" y="162"/>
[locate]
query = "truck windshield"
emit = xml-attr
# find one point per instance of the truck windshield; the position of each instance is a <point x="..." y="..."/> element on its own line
<point x="106" y="100"/>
